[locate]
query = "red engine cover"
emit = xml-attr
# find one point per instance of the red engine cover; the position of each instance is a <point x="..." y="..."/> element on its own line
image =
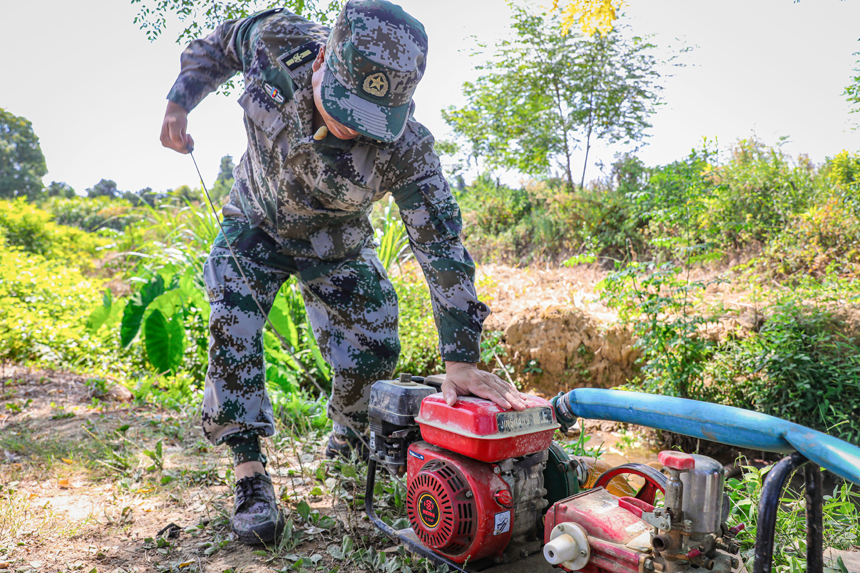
<point x="482" y="430"/>
<point x="451" y="507"/>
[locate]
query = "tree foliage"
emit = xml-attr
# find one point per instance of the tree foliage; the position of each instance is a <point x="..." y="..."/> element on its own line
<point x="852" y="91"/>
<point x="224" y="181"/>
<point x="544" y="95"/>
<point x="202" y="16"/>
<point x="591" y="15"/>
<point x="104" y="188"/>
<point x="185" y="194"/>
<point x="60" y="189"/>
<point x="22" y="164"/>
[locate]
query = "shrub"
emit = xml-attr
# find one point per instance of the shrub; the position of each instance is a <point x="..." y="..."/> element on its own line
<point x="670" y="204"/>
<point x="46" y="305"/>
<point x="419" y="341"/>
<point x="32" y="230"/>
<point x="493" y="208"/>
<point x="544" y="220"/>
<point x="610" y="223"/>
<point x="825" y="240"/>
<point x="749" y="198"/>
<point x="91" y="213"/>
<point x="754" y="194"/>
<point x="659" y="302"/>
<point x="798" y="367"/>
<point x="843" y="172"/>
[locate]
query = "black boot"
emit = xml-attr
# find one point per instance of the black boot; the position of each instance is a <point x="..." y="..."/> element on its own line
<point x="341" y="447"/>
<point x="256" y="517"/>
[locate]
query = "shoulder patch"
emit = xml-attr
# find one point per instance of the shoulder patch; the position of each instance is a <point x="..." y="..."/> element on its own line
<point x="301" y="55"/>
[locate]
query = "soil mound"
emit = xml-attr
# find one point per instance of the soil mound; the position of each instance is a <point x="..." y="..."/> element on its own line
<point x="557" y="334"/>
<point x="559" y="348"/>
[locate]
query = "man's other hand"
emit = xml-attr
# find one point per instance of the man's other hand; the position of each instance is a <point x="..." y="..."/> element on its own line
<point x="464" y="379"/>
<point x="173" y="134"/>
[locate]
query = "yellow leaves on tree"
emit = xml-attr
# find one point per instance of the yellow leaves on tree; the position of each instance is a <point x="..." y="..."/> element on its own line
<point x="591" y="15"/>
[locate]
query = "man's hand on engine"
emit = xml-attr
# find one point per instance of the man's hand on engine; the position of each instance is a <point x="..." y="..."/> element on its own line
<point x="173" y="128"/>
<point x="464" y="379"/>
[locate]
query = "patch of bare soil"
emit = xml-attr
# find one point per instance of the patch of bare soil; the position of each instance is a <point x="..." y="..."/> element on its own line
<point x="557" y="334"/>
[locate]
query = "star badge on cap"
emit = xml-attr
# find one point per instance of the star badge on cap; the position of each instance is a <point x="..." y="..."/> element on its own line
<point x="376" y="84"/>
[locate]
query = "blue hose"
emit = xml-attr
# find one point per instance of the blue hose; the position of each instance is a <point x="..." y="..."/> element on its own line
<point x="714" y="422"/>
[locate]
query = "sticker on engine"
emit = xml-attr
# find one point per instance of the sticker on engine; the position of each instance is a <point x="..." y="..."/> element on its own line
<point x="503" y="523"/>
<point x="428" y="510"/>
<point x="414" y="455"/>
<point x="533" y="418"/>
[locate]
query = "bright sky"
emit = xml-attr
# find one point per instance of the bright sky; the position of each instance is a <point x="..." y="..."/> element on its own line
<point x="94" y="87"/>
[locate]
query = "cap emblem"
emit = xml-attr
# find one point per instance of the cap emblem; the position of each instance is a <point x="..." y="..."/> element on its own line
<point x="376" y="84"/>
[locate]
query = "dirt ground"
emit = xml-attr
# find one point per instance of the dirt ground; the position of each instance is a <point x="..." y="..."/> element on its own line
<point x="82" y="488"/>
<point x="78" y="491"/>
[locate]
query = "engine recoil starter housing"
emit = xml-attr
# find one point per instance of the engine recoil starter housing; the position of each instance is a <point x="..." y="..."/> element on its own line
<point x="475" y="485"/>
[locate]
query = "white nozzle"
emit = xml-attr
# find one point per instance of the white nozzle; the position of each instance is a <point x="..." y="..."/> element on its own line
<point x="568" y="546"/>
<point x="562" y="548"/>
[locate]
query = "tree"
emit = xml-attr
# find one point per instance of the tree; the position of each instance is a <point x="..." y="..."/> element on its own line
<point x="185" y="194"/>
<point x="224" y="181"/>
<point x="22" y="164"/>
<point x="60" y="189"/>
<point x="150" y="197"/>
<point x="545" y="94"/>
<point x="104" y="188"/>
<point x="145" y="195"/>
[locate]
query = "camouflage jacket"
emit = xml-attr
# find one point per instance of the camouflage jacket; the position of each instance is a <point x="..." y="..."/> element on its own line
<point x="318" y="194"/>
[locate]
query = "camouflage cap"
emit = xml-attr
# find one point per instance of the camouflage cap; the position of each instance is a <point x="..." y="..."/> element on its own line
<point x="375" y="57"/>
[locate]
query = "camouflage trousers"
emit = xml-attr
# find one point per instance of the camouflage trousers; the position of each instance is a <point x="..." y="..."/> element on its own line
<point x="351" y="306"/>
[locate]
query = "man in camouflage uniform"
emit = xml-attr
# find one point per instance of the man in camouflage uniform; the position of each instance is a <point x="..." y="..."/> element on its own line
<point x="328" y="119"/>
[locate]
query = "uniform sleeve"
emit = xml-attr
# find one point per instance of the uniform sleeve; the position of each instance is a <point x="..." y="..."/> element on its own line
<point x="433" y="224"/>
<point x="209" y="62"/>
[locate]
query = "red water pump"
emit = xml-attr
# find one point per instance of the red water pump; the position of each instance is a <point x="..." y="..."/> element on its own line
<point x="488" y="485"/>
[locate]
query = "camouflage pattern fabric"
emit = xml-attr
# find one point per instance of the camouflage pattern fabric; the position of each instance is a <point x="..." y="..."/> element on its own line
<point x="314" y="197"/>
<point x="352" y="308"/>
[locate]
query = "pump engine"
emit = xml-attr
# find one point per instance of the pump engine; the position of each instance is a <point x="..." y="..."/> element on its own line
<point x="487" y="483"/>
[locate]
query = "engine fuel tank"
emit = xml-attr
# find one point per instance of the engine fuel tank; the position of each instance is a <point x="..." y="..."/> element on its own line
<point x="482" y="430"/>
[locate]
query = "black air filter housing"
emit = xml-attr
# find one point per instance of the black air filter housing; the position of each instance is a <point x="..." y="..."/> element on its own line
<point x="392" y="410"/>
<point x="397" y="402"/>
